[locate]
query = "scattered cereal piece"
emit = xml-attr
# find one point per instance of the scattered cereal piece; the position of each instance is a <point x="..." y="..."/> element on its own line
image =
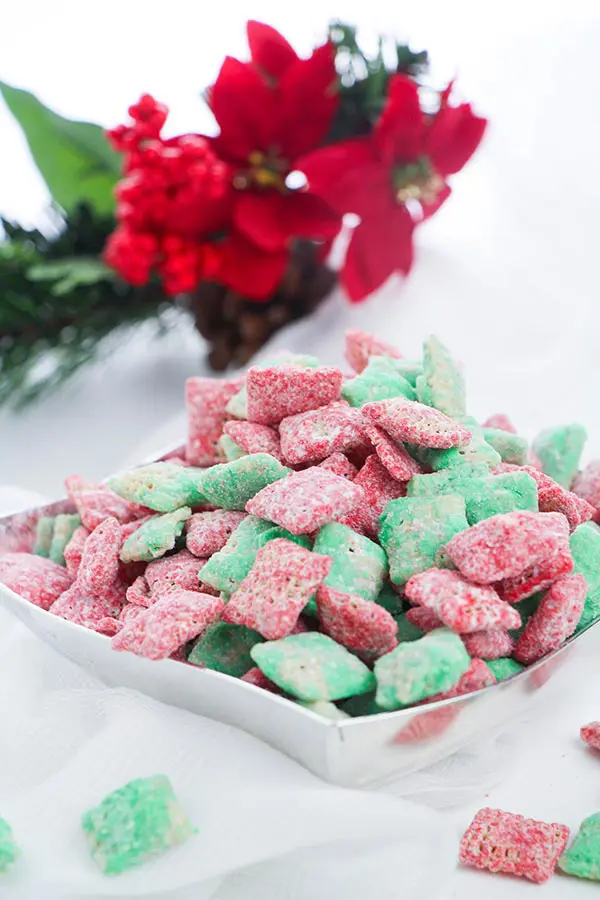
<point x="582" y="859"/>
<point x="230" y="485"/>
<point x="96" y="502"/>
<point x="500" y="422"/>
<point x="155" y="537"/>
<point x="444" y="379"/>
<point x="359" y="625"/>
<point x="591" y="735"/>
<point x="34" y="578"/>
<point x="9" y="851"/>
<point x="74" y="549"/>
<point x="259" y="679"/>
<point x="394" y="457"/>
<point x="493" y="643"/>
<point x="161" y="486"/>
<point x="462" y="606"/>
<point x="377" y="382"/>
<point x="505" y="842"/>
<point x="504" y="669"/>
<point x="406" y="420"/>
<point x="208" y="532"/>
<point x="585" y="548"/>
<point x="138" y="821"/>
<point x="511" y="447"/>
<point x="43" y="536"/>
<point x="65" y="526"/>
<point x="587" y="485"/>
<point x="308" y="437"/>
<point x="359" y="565"/>
<point x="225" y="648"/>
<point x="281" y="391"/>
<point x="554" y="620"/>
<point x="361" y="346"/>
<point x="559" y="450"/>
<point x="99" y="566"/>
<point x="253" y="438"/>
<point x="206" y="399"/>
<point x="339" y="465"/>
<point x="379" y="488"/>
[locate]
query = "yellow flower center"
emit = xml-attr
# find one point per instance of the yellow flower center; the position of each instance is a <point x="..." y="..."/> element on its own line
<point x="266" y="171"/>
<point x="417" y="181"/>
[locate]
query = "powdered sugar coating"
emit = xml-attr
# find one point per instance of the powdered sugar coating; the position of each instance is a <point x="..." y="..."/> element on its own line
<point x="82" y="608"/>
<point x="423" y="618"/>
<point x="554" y="620"/>
<point x="208" y="532"/>
<point x="415" y="423"/>
<point x="74" y="549"/>
<point x="180" y="570"/>
<point x="541" y="576"/>
<point x="462" y="606"/>
<point x="493" y="643"/>
<point x="339" y="465"/>
<point x="361" y="346"/>
<point x="99" y="567"/>
<point x="254" y="438"/>
<point x="590" y="733"/>
<point x="317" y="433"/>
<point x="206" y="399"/>
<point x="138" y="593"/>
<point x="393" y="456"/>
<point x="96" y="502"/>
<point x="155" y="537"/>
<point x="230" y="485"/>
<point x="281" y="391"/>
<point x="34" y="578"/>
<point x="363" y="627"/>
<point x="379" y="488"/>
<point x="587" y="485"/>
<point x="161" y="486"/>
<point x="554" y="498"/>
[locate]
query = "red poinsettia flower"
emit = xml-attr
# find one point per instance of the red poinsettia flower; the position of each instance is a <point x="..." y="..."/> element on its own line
<point x="407" y="157"/>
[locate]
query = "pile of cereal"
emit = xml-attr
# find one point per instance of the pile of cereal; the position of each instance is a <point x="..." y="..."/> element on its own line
<point x="356" y="542"/>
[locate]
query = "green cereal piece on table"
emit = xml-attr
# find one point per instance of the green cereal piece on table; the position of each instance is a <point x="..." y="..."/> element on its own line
<point x="238" y="405"/>
<point x="559" y="451"/>
<point x="420" y="669"/>
<point x="138" y="821"/>
<point x="582" y="859"/>
<point x="64" y="526"/>
<point x="43" y="536"/>
<point x="477" y="451"/>
<point x="423" y="391"/>
<point x="229" y="448"/>
<point x="230" y="485"/>
<point x="155" y="537"/>
<point x="504" y="668"/>
<point x="9" y="851"/>
<point x="406" y="630"/>
<point x="585" y="550"/>
<point x="445" y="381"/>
<point x="413" y="529"/>
<point x="359" y="564"/>
<point x="376" y="382"/>
<point x="324" y="708"/>
<point x="160" y="486"/>
<point x="511" y="447"/>
<point x="225" y="648"/>
<point x="311" y="666"/>
<point x="390" y="600"/>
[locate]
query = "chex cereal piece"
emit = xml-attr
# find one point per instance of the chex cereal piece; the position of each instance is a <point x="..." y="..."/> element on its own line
<point x="359" y="565"/>
<point x="96" y="502"/>
<point x="511" y="447"/>
<point x="424" y="619"/>
<point x="554" y="620"/>
<point x="444" y="378"/>
<point x="254" y="438"/>
<point x="339" y="465"/>
<point x="228" y="449"/>
<point x="208" y="532"/>
<point x="492" y="643"/>
<point x="230" y="485"/>
<point x="280" y="583"/>
<point x="506" y="545"/>
<point x="554" y="498"/>
<point x="138" y="593"/>
<point x="155" y="537"/>
<point x="408" y="368"/>
<point x="379" y="488"/>
<point x="324" y="708"/>
<point x="477" y="677"/>
<point x="160" y="486"/>
<point x="259" y="679"/>
<point x="313" y="667"/>
<point x="406" y="420"/>
<point x="131" y="825"/>
<point x="582" y="859"/>
<point x="176" y="617"/>
<point x="585" y="549"/>
<point x="304" y="501"/>
<point x="413" y="529"/>
<point x="205" y="400"/>
<point x="505" y="842"/>
<point x="420" y="668"/>
<point x="181" y="569"/>
<point x="505" y="668"/>
<point x="449" y="481"/>
<point x="541" y="576"/>
<point x="34" y="578"/>
<point x="313" y="435"/>
<point x="392" y="455"/>
<point x="359" y="625"/>
<point x="377" y="382"/>
<point x="281" y="391"/>
<point x="559" y="450"/>
<point x="587" y="485"/>
<point x="590" y="733"/>
<point x="81" y="608"/>
<point x="476" y="450"/>
<point x="99" y="567"/>
<point x="74" y="549"/>
<point x="43" y="536"/>
<point x="225" y="648"/>
<point x="128" y="529"/>
<point x="523" y="487"/>
<point x="462" y="606"/>
<point x="65" y="525"/>
<point x="238" y="405"/>
<point x="9" y="851"/>
<point x="500" y="422"/>
<point x="361" y="346"/>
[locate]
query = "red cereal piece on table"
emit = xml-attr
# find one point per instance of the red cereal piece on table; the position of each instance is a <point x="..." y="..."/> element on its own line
<point x="254" y="438"/>
<point x="591" y="735"/>
<point x="279" y="585"/>
<point x="74" y="549"/>
<point x="477" y="677"/>
<point x="208" y="532"/>
<point x="180" y="570"/>
<point x="205" y="400"/>
<point x="506" y="545"/>
<point x="423" y="618"/>
<point x="81" y="608"/>
<point x="508" y="843"/>
<point x="415" y="423"/>
<point x="138" y="593"/>
<point x="552" y="497"/>
<point x="304" y="501"/>
<point x="394" y="457"/>
<point x="258" y="678"/>
<point x="339" y="465"/>
<point x="462" y="606"/>
<point x="363" y="627"/>
<point x="175" y="618"/>
<point x="492" y="643"/>
<point x="35" y="578"/>
<point x="317" y="433"/>
<point x="538" y="578"/>
<point x="99" y="567"/>
<point x="501" y="422"/>
<point x="554" y="620"/>
<point x="96" y="502"/>
<point x="379" y="488"/>
<point x="587" y="485"/>
<point x="361" y="346"/>
<point x="281" y="391"/>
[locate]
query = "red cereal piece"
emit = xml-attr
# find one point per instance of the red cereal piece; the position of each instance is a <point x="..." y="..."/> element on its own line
<point x="492" y="643"/>
<point x="304" y="501"/>
<point x="254" y="438"/>
<point x="96" y="502"/>
<point x="131" y="613"/>
<point x="379" y="488"/>
<point x="128" y="529"/>
<point x="361" y="346"/>
<point x="363" y="627"/>
<point x="506" y="545"/>
<point x="281" y="391"/>
<point x="108" y="626"/>
<point x="538" y="578"/>
<point x="552" y="497"/>
<point x="591" y="735"/>
<point x="208" y="532"/>
<point x="393" y="456"/>
<point x="423" y="618"/>
<point x="505" y="842"/>
<point x="554" y="620"/>
<point x="180" y="570"/>
<point x="82" y="608"/>
<point x="138" y="593"/>
<point x="339" y="465"/>
<point x="175" y="618"/>
<point x="415" y="423"/>
<point x="99" y="567"/>
<point x="258" y="678"/>
<point x="74" y="549"/>
<point x="477" y="677"/>
<point x="279" y="585"/>
<point x="313" y="435"/>
<point x="500" y="421"/>
<point x="462" y="606"/>
<point x="35" y="578"/>
<point x="587" y="485"/>
<point x="206" y="399"/>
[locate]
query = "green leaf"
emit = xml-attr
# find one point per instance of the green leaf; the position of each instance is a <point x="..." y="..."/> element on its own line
<point x="68" y="274"/>
<point x="74" y="158"/>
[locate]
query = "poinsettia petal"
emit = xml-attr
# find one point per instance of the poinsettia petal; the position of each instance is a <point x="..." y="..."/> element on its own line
<point x="248" y="270"/>
<point x="348" y="177"/>
<point x="269" y="50"/>
<point x="399" y="131"/>
<point x="429" y="209"/>
<point x="453" y="137"/>
<point x="245" y="108"/>
<point x="378" y="248"/>
<point x="306" y="215"/>
<point x="258" y="215"/>
<point x="308" y="100"/>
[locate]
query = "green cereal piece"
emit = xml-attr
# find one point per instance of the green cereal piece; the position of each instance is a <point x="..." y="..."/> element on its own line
<point x="522" y="486"/>
<point x="155" y="537"/>
<point x="511" y="447"/>
<point x="64" y="526"/>
<point x="409" y="369"/>
<point x="477" y="451"/>
<point x="419" y="669"/>
<point x="559" y="451"/>
<point x="9" y="851"/>
<point x="229" y="448"/>
<point x="585" y="550"/>
<point x="390" y="600"/>
<point x="311" y="666"/>
<point x="582" y="859"/>
<point x="225" y="648"/>
<point x="160" y="486"/>
<point x="324" y="708"/>
<point x="412" y="530"/>
<point x="406" y="630"/>
<point x="135" y="823"/>
<point x="362" y="705"/>
<point x="238" y="405"/>
<point x="376" y="382"/>
<point x="423" y="391"/>
<point x="230" y="485"/>
<point x="43" y="536"/>
<point x="504" y="668"/>
<point x="486" y="498"/>
<point x="445" y="381"/>
<point x="359" y="564"/>
<point x="447" y="481"/>
<point x="484" y="495"/>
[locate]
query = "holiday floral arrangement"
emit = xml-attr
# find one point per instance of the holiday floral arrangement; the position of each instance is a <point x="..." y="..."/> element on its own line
<point x="236" y="227"/>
